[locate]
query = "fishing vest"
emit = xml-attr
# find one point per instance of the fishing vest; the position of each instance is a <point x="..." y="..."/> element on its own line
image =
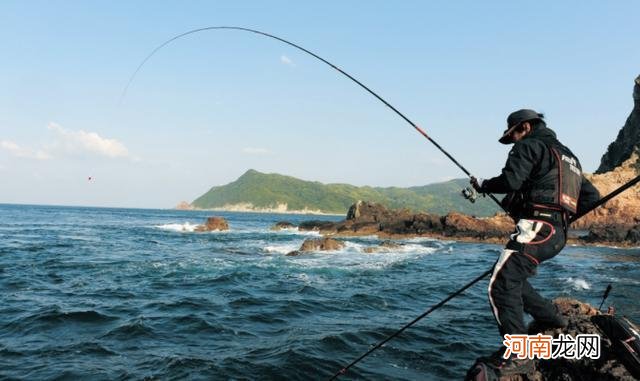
<point x="560" y="186"/>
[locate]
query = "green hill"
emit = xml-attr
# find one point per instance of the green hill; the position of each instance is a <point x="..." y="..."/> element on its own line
<point x="263" y="191"/>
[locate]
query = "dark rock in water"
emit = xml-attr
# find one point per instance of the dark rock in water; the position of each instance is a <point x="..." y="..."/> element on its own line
<point x="321" y="244"/>
<point x="579" y="315"/>
<point x="213" y="224"/>
<point x="316" y="225"/>
<point x="633" y="235"/>
<point x="387" y="244"/>
<point x="628" y="137"/>
<point x="369" y="218"/>
<point x="614" y="234"/>
<point x="318" y="244"/>
<point x="280" y="225"/>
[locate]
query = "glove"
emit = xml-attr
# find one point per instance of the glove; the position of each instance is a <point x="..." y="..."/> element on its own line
<point x="477" y="184"/>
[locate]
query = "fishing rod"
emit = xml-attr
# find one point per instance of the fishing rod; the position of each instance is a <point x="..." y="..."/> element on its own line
<point x="575" y="217"/>
<point x="415" y="126"/>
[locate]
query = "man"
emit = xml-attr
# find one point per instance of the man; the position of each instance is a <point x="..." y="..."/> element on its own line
<point x="544" y="185"/>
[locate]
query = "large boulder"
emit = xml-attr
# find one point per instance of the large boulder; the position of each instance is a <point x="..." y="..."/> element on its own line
<point x="363" y="211"/>
<point x="321" y="244"/>
<point x="213" y="224"/>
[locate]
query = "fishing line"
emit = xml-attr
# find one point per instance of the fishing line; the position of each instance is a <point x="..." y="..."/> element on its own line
<point x="415" y="126"/>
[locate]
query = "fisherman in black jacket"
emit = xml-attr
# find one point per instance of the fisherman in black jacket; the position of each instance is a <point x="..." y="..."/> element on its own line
<point x="544" y="185"/>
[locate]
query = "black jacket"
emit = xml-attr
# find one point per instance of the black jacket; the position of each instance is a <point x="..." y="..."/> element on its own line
<point x="528" y="159"/>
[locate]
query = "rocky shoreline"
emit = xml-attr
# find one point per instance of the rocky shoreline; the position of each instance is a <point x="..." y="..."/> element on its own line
<point x="368" y="218"/>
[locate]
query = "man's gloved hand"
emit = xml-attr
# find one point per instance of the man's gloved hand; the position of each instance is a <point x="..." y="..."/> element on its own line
<point x="476" y="184"/>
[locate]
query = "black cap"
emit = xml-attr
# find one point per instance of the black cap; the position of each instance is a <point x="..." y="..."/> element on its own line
<point x="515" y="119"/>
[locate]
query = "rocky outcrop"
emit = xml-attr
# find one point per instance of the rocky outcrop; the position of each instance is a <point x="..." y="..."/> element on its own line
<point x="616" y="223"/>
<point x="318" y="244"/>
<point x="614" y="234"/>
<point x="580" y="317"/>
<point x="369" y="218"/>
<point x="213" y="224"/>
<point x="628" y="138"/>
<point x="623" y="211"/>
<point x="183" y="205"/>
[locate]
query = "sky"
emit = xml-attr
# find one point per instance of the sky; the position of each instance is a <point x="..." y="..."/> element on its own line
<point x="210" y="106"/>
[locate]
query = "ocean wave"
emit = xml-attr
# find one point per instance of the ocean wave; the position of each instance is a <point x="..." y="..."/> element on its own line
<point x="126" y="332"/>
<point x="578" y="283"/>
<point x="281" y="249"/>
<point x="198" y="325"/>
<point x="183" y="228"/>
<point x="293" y="231"/>
<point x="353" y="257"/>
<point x="54" y="315"/>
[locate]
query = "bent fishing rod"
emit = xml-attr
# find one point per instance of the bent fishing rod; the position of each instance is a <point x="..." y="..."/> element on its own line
<point x="237" y="28"/>
<point x="572" y="219"/>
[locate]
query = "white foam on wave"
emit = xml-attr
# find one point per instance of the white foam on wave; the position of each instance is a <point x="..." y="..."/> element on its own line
<point x="428" y="239"/>
<point x="578" y="283"/>
<point x="185" y="227"/>
<point x="353" y="257"/>
<point x="281" y="249"/>
<point x="401" y="248"/>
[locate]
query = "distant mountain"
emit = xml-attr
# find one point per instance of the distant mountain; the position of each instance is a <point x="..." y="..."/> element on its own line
<point x="273" y="192"/>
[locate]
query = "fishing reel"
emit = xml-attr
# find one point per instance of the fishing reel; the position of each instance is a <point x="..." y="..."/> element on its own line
<point x="470" y="194"/>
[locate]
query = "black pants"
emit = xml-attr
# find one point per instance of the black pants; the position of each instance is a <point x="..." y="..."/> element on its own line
<point x="510" y="294"/>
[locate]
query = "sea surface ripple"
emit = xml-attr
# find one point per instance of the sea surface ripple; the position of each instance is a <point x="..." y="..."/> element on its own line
<point x="101" y="293"/>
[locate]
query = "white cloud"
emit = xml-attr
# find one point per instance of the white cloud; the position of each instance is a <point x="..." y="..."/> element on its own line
<point x="287" y="61"/>
<point x="256" y="151"/>
<point x="15" y="150"/>
<point x="82" y="141"/>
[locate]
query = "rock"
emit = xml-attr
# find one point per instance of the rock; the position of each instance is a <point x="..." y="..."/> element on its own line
<point x="317" y="244"/>
<point x="183" y="205"/>
<point x="387" y="244"/>
<point x="213" y="224"/>
<point x="624" y="209"/>
<point x="283" y="225"/>
<point x="390" y="244"/>
<point x="613" y="234"/>
<point x="363" y="211"/>
<point x="315" y="225"/>
<point x="321" y="244"/>
<point x="628" y="138"/>
<point x="607" y="367"/>
<point x="456" y="224"/>
<point x="369" y="218"/>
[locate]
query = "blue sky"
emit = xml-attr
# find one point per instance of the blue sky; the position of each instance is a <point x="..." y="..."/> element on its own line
<point x="212" y="105"/>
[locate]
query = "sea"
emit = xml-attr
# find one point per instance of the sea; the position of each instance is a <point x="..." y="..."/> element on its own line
<point x="119" y="294"/>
